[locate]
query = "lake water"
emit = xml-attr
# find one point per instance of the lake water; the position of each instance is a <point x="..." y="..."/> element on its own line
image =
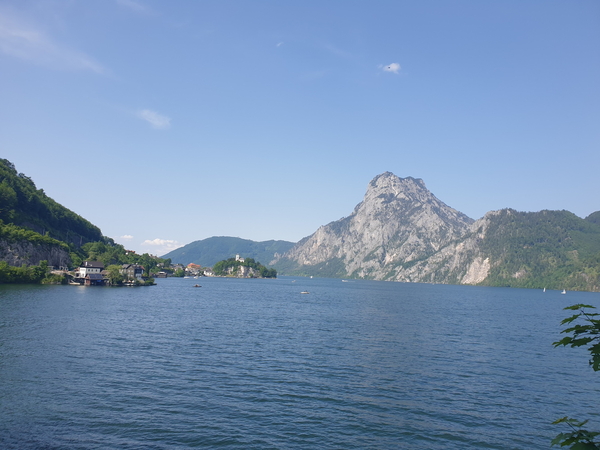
<point x="255" y="364"/>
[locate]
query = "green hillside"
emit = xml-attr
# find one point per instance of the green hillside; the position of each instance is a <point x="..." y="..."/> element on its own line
<point x="22" y="204"/>
<point x="552" y="249"/>
<point x="594" y="218"/>
<point x="208" y="252"/>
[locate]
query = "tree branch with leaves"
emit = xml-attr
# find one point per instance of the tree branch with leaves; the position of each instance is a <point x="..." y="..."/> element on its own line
<point x="580" y="335"/>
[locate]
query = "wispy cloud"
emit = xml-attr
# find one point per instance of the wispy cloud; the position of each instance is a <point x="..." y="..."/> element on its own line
<point x="25" y="41"/>
<point x="127" y="237"/>
<point x="135" y="6"/>
<point x="338" y="52"/>
<point x="162" y="246"/>
<point x="279" y="44"/>
<point x="393" y="68"/>
<point x="155" y="119"/>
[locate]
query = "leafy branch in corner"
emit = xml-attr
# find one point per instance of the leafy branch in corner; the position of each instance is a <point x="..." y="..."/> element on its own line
<point x="580" y="335"/>
<point x="583" y="334"/>
<point x="578" y="439"/>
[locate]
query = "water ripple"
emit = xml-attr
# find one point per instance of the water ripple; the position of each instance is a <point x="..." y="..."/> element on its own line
<point x="245" y="364"/>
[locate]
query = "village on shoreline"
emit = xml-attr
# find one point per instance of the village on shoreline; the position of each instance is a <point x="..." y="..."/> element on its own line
<point x="94" y="273"/>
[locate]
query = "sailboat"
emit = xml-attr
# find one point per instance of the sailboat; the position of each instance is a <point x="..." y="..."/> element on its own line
<point x="563" y="292"/>
<point x="544" y="289"/>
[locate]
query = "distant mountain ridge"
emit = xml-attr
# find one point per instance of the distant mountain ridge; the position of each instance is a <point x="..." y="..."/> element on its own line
<point x="402" y="232"/>
<point x="208" y="252"/>
<point x="399" y="232"/>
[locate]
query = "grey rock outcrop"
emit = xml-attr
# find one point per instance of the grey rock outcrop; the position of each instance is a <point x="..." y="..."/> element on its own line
<point x="24" y="252"/>
<point x="243" y="272"/>
<point x="460" y="262"/>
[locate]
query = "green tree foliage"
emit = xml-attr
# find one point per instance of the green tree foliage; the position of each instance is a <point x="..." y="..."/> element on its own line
<point x="231" y="266"/>
<point x="51" y="278"/>
<point x="594" y="218"/>
<point x="115" y="277"/>
<point x="580" y="334"/>
<point x="13" y="233"/>
<point x="24" y="274"/>
<point x="8" y="200"/>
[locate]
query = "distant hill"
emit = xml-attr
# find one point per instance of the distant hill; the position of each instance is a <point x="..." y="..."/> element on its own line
<point x="594" y="218"/>
<point x="22" y="204"/>
<point x="208" y="252"/>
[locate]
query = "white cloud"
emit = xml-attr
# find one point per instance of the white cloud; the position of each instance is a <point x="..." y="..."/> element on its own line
<point x="393" y="67"/>
<point x="25" y="41"/>
<point x="279" y="44"/>
<point x="162" y="246"/>
<point x="127" y="237"/>
<point x="155" y="119"/>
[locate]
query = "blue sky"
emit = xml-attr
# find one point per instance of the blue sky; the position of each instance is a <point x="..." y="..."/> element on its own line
<point x="169" y="122"/>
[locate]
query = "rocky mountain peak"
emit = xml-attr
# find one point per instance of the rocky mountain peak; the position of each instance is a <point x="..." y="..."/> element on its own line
<point x="403" y="199"/>
<point x="389" y="179"/>
<point x="387" y="187"/>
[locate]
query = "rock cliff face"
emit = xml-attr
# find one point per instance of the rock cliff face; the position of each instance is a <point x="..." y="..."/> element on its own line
<point x="461" y="261"/>
<point x="243" y="272"/>
<point x="398" y="225"/>
<point x="23" y="252"/>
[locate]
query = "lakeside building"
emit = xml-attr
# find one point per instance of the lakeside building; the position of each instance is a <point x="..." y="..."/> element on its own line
<point x="132" y="271"/>
<point x="90" y="273"/>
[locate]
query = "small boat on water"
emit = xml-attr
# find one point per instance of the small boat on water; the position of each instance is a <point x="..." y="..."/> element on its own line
<point x="197" y="285"/>
<point x="305" y="292"/>
<point x="563" y="292"/>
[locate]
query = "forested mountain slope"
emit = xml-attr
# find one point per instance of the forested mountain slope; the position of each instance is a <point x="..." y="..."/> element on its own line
<point x="553" y="249"/>
<point x="22" y="204"/>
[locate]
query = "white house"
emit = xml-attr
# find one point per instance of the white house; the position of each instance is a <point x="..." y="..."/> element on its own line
<point x="88" y="268"/>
